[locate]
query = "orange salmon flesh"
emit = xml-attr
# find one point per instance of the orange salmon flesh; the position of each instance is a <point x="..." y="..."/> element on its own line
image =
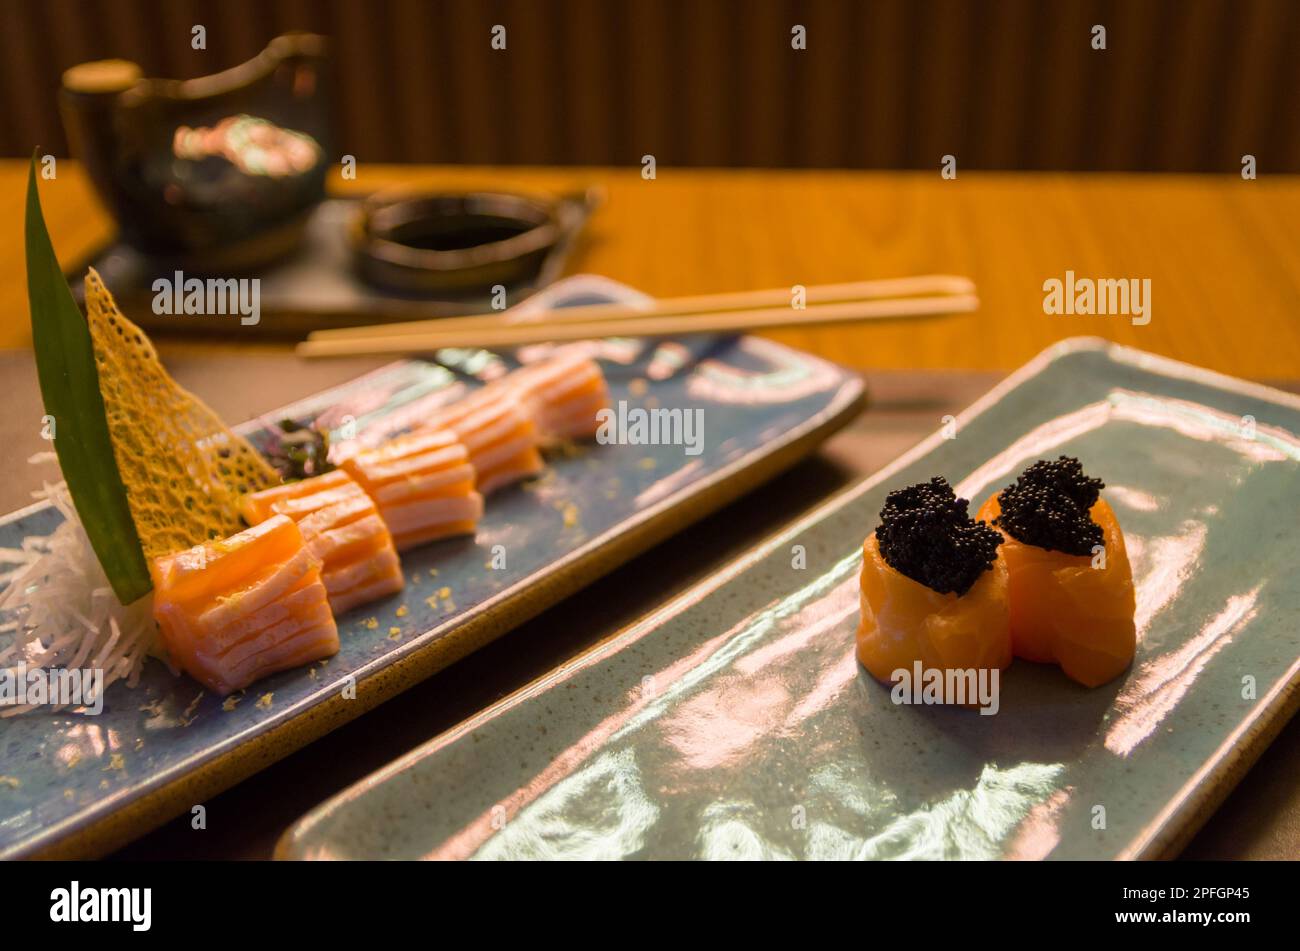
<point x="499" y="435"/>
<point x="423" y="485"/>
<point x="563" y="394"/>
<point x="235" y="610"/>
<point x="1064" y="610"/>
<point x="903" y="621"/>
<point x="343" y="528"/>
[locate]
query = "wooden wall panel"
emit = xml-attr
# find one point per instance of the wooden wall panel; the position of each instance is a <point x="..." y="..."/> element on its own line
<point x="1184" y="85"/>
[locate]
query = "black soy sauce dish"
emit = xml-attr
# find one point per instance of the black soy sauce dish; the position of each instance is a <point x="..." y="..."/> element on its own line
<point x="453" y="242"/>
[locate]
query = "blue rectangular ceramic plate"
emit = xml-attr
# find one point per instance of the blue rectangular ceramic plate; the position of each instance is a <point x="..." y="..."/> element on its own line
<point x="74" y="784"/>
<point x="735" y="722"/>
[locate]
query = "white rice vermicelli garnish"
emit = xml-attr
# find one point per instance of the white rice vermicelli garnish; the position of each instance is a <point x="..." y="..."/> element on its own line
<point x="59" y="608"/>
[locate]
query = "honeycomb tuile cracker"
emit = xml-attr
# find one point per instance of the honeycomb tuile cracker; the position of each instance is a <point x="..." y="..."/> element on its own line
<point x="183" y="469"/>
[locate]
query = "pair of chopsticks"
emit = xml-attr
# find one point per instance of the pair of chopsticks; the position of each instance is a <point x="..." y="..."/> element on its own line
<point x="904" y="298"/>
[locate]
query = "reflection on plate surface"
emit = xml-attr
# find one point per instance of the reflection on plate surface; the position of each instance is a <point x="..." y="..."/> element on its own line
<point x="736" y="723"/>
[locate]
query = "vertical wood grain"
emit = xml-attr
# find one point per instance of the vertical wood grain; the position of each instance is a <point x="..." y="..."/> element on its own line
<point x="1184" y="85"/>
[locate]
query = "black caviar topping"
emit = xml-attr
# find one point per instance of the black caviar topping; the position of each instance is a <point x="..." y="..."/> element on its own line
<point x="1048" y="506"/>
<point x="926" y="533"/>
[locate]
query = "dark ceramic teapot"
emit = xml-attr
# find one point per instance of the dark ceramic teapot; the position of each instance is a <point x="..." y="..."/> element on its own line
<point x="215" y="174"/>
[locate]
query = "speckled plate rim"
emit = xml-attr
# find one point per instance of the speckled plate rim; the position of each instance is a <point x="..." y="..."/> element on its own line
<point x="129" y="814"/>
<point x="1163" y="838"/>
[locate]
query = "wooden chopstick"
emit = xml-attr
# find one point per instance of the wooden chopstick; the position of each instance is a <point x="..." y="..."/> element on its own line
<point x="698" y="304"/>
<point x="644" y="325"/>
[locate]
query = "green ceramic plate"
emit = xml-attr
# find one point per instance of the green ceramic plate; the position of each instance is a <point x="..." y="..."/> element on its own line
<point x="75" y="784"/>
<point x="736" y="723"/>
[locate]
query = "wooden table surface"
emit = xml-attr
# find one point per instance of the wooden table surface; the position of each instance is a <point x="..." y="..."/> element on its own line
<point x="1224" y="260"/>
<point x="1222" y="254"/>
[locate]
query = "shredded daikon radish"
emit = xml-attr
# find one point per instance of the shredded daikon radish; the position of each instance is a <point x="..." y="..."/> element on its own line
<point x="59" y="609"/>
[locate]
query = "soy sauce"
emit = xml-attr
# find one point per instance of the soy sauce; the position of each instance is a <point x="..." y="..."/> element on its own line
<point x="457" y="232"/>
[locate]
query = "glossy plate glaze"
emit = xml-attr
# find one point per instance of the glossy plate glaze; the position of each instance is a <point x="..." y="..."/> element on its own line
<point x="736" y="723"/>
<point x="73" y="784"/>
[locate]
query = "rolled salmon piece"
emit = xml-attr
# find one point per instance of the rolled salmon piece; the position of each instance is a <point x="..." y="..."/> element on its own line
<point x="422" y="484"/>
<point x="498" y="433"/>
<point x="933" y="590"/>
<point x="343" y="528"/>
<point x="1068" y="573"/>
<point x="235" y="610"/>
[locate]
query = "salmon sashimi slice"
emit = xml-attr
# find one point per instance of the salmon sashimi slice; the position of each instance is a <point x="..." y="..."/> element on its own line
<point x="499" y="435"/>
<point x="296" y="499"/>
<point x="1076" y="611"/>
<point x="235" y="610"/>
<point x="564" y="395"/>
<point x="904" y="621"/>
<point x="422" y="484"/>
<point x="226" y="563"/>
<point x="343" y="528"/>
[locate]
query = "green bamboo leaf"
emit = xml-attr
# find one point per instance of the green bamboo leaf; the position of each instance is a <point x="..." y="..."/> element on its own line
<point x="65" y="363"/>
